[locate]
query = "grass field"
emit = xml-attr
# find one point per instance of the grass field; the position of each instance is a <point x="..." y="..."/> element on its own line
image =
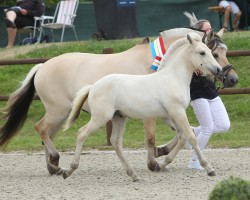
<point x="238" y="106"/>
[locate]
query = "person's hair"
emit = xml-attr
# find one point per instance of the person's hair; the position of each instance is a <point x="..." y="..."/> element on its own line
<point x="194" y="22"/>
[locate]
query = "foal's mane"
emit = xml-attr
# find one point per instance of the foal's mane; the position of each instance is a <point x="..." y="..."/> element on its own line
<point x="171" y="50"/>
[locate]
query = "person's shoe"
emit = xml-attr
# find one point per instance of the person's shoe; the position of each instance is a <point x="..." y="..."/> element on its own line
<point x="195" y="164"/>
<point x="9" y="23"/>
<point x="188" y="146"/>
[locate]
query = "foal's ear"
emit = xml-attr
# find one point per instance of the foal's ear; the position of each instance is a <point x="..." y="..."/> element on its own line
<point x="190" y="39"/>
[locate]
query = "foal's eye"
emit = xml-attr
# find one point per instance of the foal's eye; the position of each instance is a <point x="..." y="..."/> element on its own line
<point x="216" y="55"/>
<point x="202" y="53"/>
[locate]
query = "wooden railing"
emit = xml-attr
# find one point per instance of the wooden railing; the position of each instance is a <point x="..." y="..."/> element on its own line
<point x="226" y="91"/>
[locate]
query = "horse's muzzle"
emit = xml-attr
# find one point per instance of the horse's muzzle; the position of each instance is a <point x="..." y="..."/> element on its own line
<point x="230" y="80"/>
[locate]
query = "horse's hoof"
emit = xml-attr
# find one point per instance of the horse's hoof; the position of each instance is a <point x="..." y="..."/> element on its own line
<point x="51" y="170"/>
<point x="154" y="167"/>
<point x="53" y="164"/>
<point x="212" y="173"/>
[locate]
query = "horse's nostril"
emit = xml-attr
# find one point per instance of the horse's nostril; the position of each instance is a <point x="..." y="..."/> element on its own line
<point x="234" y="80"/>
<point x="218" y="70"/>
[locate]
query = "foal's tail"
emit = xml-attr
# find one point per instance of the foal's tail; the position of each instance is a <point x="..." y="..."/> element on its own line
<point x="17" y="108"/>
<point x="78" y="102"/>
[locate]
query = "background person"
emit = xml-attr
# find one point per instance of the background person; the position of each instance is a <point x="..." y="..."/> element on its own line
<point x="22" y="15"/>
<point x="230" y="6"/>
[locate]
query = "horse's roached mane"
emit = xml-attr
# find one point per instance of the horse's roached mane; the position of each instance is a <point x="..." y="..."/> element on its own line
<point x="215" y="42"/>
<point x="144" y="41"/>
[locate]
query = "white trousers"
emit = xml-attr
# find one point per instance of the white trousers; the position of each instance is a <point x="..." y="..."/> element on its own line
<point x="233" y="5"/>
<point x="212" y="117"/>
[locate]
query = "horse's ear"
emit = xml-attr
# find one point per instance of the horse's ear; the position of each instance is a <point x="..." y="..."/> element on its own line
<point x="220" y="33"/>
<point x="210" y="36"/>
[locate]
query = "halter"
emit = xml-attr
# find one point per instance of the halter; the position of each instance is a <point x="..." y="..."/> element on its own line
<point x="224" y="73"/>
<point x="226" y="69"/>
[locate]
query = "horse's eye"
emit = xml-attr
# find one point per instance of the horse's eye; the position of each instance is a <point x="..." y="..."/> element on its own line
<point x="216" y="55"/>
<point x="202" y="53"/>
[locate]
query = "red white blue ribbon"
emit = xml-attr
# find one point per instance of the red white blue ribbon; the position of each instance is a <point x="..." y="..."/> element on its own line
<point x="158" y="50"/>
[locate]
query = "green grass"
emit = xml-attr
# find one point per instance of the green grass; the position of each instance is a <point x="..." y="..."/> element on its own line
<point x="27" y="139"/>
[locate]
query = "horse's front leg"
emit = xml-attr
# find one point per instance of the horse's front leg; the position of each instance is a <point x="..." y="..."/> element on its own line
<point x="116" y="141"/>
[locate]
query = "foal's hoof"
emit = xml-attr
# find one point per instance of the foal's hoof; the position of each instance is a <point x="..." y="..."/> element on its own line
<point x="154" y="167"/>
<point x="212" y="173"/>
<point x="65" y="174"/>
<point x="135" y="178"/>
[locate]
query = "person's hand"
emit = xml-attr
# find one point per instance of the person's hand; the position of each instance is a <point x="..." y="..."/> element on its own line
<point x="198" y="72"/>
<point x="23" y="11"/>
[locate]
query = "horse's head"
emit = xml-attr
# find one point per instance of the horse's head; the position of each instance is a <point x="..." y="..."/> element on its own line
<point x="202" y="57"/>
<point x="228" y="77"/>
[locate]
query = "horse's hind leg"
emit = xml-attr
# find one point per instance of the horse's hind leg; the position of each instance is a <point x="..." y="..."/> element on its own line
<point x="149" y="128"/>
<point x="119" y="123"/>
<point x="167" y="148"/>
<point x="47" y="128"/>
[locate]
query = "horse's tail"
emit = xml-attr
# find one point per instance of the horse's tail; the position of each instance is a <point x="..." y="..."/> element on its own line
<point x="78" y="102"/>
<point x="17" y="108"/>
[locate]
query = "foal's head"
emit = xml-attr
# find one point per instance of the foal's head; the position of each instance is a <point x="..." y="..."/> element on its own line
<point x="201" y="56"/>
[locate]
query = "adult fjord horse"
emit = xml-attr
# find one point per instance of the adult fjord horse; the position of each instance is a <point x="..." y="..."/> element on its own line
<point x="57" y="81"/>
<point x="122" y="100"/>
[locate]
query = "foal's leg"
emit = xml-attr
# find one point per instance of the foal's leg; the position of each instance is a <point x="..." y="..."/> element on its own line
<point x="119" y="123"/>
<point x="184" y="131"/>
<point x="83" y="134"/>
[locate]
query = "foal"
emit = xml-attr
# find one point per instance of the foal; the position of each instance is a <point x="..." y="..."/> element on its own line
<point x="117" y="97"/>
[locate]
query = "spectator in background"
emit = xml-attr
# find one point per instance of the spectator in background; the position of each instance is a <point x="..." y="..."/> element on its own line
<point x="22" y="15"/>
<point x="230" y="6"/>
<point x="244" y="6"/>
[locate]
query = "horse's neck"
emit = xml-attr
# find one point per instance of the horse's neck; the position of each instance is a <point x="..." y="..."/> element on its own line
<point x="140" y="53"/>
<point x="171" y="35"/>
